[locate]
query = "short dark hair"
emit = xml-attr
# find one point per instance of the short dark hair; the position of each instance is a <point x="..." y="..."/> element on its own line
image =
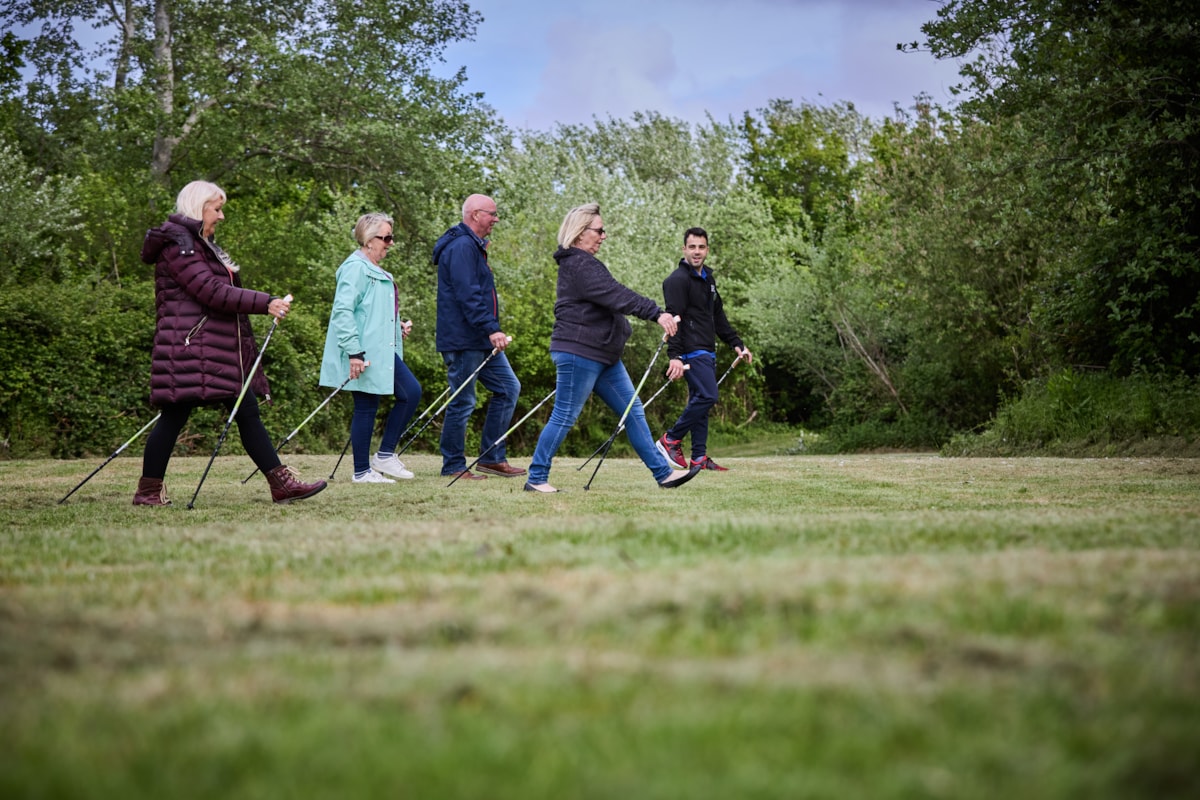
<point x="699" y="232"/>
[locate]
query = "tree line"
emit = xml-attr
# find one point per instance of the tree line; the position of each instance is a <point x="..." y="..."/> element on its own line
<point x="902" y="277"/>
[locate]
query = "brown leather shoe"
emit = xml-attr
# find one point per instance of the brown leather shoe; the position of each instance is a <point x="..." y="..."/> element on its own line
<point x="286" y="485"/>
<point x="502" y="468"/>
<point x="466" y="475"/>
<point x="150" y="492"/>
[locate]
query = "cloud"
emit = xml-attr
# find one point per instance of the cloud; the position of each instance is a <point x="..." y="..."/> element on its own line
<point x="541" y="62"/>
<point x="603" y="70"/>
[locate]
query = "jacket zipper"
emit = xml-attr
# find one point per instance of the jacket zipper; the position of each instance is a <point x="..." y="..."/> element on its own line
<point x="187" y="340"/>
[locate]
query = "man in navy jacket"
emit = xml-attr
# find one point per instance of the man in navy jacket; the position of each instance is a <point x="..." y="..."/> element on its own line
<point x="690" y="293"/>
<point x="468" y="330"/>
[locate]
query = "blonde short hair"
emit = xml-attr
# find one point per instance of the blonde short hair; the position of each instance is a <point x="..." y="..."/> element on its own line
<point x="369" y="225"/>
<point x="576" y="222"/>
<point x="195" y="196"/>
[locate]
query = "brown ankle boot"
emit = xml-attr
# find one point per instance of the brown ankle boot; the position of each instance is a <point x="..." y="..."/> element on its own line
<point x="151" y="492"/>
<point x="286" y="486"/>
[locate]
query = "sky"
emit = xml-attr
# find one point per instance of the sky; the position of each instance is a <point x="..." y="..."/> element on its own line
<point x="542" y="62"/>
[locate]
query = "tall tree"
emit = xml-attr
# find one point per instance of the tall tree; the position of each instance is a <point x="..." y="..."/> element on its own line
<point x="1105" y="94"/>
<point x="338" y="90"/>
<point x="805" y="159"/>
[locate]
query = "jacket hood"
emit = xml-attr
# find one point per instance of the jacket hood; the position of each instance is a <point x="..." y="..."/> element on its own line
<point x="449" y="236"/>
<point x="569" y="252"/>
<point x="177" y="230"/>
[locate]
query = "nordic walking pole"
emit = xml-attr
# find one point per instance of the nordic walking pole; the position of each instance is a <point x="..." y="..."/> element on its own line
<point x="424" y="414"/>
<point x="339" y="461"/>
<point x="463" y="385"/>
<point x="116" y="453"/>
<point x="502" y="438"/>
<point x="732" y="364"/>
<point x="288" y="438"/>
<point x="236" y="405"/>
<point x="622" y="427"/>
<point x="628" y="408"/>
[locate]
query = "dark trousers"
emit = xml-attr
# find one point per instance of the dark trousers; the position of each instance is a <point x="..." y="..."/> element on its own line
<point x="701" y="377"/>
<point x="362" y="425"/>
<point x="162" y="439"/>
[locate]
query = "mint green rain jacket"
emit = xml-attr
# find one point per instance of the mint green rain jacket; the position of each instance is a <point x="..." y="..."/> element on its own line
<point x="363" y="319"/>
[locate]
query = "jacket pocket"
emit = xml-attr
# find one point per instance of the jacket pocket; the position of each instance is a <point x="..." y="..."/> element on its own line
<point x="195" y="331"/>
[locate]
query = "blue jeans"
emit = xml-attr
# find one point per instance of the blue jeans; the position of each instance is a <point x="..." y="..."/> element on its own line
<point x="366" y="406"/>
<point x="499" y="379"/>
<point x="701" y="378"/>
<point x="577" y="378"/>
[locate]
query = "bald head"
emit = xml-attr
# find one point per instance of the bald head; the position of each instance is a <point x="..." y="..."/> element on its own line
<point x="480" y="215"/>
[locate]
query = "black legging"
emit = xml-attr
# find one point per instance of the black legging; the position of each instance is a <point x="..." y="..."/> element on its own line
<point x="162" y="439"/>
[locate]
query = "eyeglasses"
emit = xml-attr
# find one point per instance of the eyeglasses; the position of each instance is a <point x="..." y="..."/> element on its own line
<point x="489" y="213"/>
<point x="386" y="239"/>
<point x="597" y="230"/>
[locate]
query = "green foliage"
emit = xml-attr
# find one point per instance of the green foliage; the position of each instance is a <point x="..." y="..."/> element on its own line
<point x="75" y="368"/>
<point x="806" y="159"/>
<point x="36" y="212"/>
<point x="896" y="279"/>
<point x="1104" y="94"/>
<point x="1085" y="413"/>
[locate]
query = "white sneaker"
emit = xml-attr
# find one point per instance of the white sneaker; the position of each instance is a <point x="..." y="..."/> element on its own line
<point x="391" y="466"/>
<point x="371" y="477"/>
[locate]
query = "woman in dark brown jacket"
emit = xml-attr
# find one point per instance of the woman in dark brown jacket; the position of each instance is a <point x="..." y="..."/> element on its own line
<point x="203" y="343"/>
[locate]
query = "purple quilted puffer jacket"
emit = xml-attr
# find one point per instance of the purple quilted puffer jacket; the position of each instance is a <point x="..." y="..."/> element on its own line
<point x="203" y="343"/>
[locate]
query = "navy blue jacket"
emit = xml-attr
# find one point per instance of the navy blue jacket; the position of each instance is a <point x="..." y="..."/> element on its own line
<point x="590" y="308"/>
<point x="694" y="299"/>
<point x="468" y="311"/>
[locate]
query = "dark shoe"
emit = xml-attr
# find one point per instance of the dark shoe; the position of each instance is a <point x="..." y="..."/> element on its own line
<point x="286" y="486"/>
<point x="704" y="462"/>
<point x="503" y="469"/>
<point x="150" y="492"/>
<point x="677" y="480"/>
<point x="544" y="488"/>
<point x="672" y="452"/>
<point x="465" y="475"/>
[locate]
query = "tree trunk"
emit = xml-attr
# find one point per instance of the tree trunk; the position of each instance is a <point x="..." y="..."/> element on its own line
<point x="124" y="53"/>
<point x="164" y="145"/>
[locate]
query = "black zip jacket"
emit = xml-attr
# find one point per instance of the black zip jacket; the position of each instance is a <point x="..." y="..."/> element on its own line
<point x="695" y="301"/>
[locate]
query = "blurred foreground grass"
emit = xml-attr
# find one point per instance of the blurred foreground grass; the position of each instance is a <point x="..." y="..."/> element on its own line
<point x="871" y="626"/>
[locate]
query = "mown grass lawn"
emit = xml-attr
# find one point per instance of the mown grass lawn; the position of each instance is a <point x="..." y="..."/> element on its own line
<point x="873" y="626"/>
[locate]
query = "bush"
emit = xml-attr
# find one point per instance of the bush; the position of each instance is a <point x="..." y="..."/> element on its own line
<point x="1092" y="414"/>
<point x="67" y="359"/>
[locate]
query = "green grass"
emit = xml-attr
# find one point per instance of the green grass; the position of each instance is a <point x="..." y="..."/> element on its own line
<point x="863" y="626"/>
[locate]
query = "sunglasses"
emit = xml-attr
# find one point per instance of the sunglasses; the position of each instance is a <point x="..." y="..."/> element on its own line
<point x="597" y="230"/>
<point x="386" y="239"/>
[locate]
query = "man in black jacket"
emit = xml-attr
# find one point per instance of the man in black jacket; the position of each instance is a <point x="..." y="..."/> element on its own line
<point x="690" y="292"/>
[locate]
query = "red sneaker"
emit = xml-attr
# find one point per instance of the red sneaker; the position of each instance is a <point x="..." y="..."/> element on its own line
<point x="672" y="452"/>
<point x="704" y="462"/>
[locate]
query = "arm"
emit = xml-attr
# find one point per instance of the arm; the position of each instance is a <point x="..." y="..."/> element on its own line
<point x="675" y="293"/>
<point x="596" y="283"/>
<point x="726" y="331"/>
<point x="196" y="277"/>
<point x="346" y="298"/>
<point x="462" y="269"/>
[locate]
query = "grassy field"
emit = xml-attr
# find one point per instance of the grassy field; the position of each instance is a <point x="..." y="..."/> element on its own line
<point x="899" y="626"/>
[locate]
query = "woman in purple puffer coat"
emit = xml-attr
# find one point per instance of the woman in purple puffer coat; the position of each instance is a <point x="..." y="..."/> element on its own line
<point x="203" y="343"/>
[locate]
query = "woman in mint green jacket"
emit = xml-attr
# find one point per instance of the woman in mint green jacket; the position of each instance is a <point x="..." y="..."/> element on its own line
<point x="365" y="343"/>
